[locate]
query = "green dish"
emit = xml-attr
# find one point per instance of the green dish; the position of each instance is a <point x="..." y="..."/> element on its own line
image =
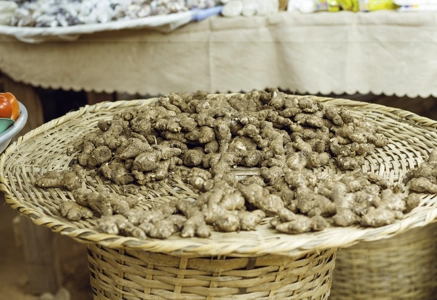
<point x="5" y="123"/>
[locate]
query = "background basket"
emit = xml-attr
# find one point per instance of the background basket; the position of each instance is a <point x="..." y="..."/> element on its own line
<point x="140" y="275"/>
<point x="401" y="267"/>
<point x="50" y="147"/>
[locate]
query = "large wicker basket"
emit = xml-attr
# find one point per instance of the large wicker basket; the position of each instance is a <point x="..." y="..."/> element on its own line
<point x="401" y="267"/>
<point x="252" y="264"/>
<point x="137" y="274"/>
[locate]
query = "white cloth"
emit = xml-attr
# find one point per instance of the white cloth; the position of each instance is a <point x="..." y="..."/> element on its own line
<point x="379" y="52"/>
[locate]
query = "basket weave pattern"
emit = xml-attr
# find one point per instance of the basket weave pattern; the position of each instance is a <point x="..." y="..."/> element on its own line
<point x="411" y="138"/>
<point x="140" y="275"/>
<point x="402" y="267"/>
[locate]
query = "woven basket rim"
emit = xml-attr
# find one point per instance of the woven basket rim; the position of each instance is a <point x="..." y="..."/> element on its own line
<point x="281" y="244"/>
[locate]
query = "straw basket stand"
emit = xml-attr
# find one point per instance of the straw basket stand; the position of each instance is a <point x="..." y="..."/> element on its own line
<point x="260" y="264"/>
<point x="137" y="274"/>
<point x="401" y="267"/>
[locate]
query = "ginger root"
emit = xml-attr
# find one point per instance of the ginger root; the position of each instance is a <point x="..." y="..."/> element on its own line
<point x="118" y="224"/>
<point x="199" y="139"/>
<point x="249" y="220"/>
<point x="74" y="212"/>
<point x="301" y="224"/>
<point x="70" y="180"/>
<point x="422" y="179"/>
<point x="261" y="198"/>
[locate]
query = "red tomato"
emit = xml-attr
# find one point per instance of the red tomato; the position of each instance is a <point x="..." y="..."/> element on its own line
<point x="5" y="107"/>
<point x="14" y="104"/>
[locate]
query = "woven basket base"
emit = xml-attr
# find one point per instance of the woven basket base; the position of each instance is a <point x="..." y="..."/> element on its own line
<point x="401" y="267"/>
<point x="137" y="274"/>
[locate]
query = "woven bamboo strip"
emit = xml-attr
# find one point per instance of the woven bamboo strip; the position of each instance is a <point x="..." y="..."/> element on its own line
<point x="140" y="275"/>
<point x="403" y="267"/>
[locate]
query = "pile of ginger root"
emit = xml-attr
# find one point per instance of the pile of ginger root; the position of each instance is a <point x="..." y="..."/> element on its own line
<point x="289" y="144"/>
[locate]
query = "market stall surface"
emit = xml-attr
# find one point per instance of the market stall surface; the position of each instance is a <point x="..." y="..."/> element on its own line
<point x="13" y="270"/>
